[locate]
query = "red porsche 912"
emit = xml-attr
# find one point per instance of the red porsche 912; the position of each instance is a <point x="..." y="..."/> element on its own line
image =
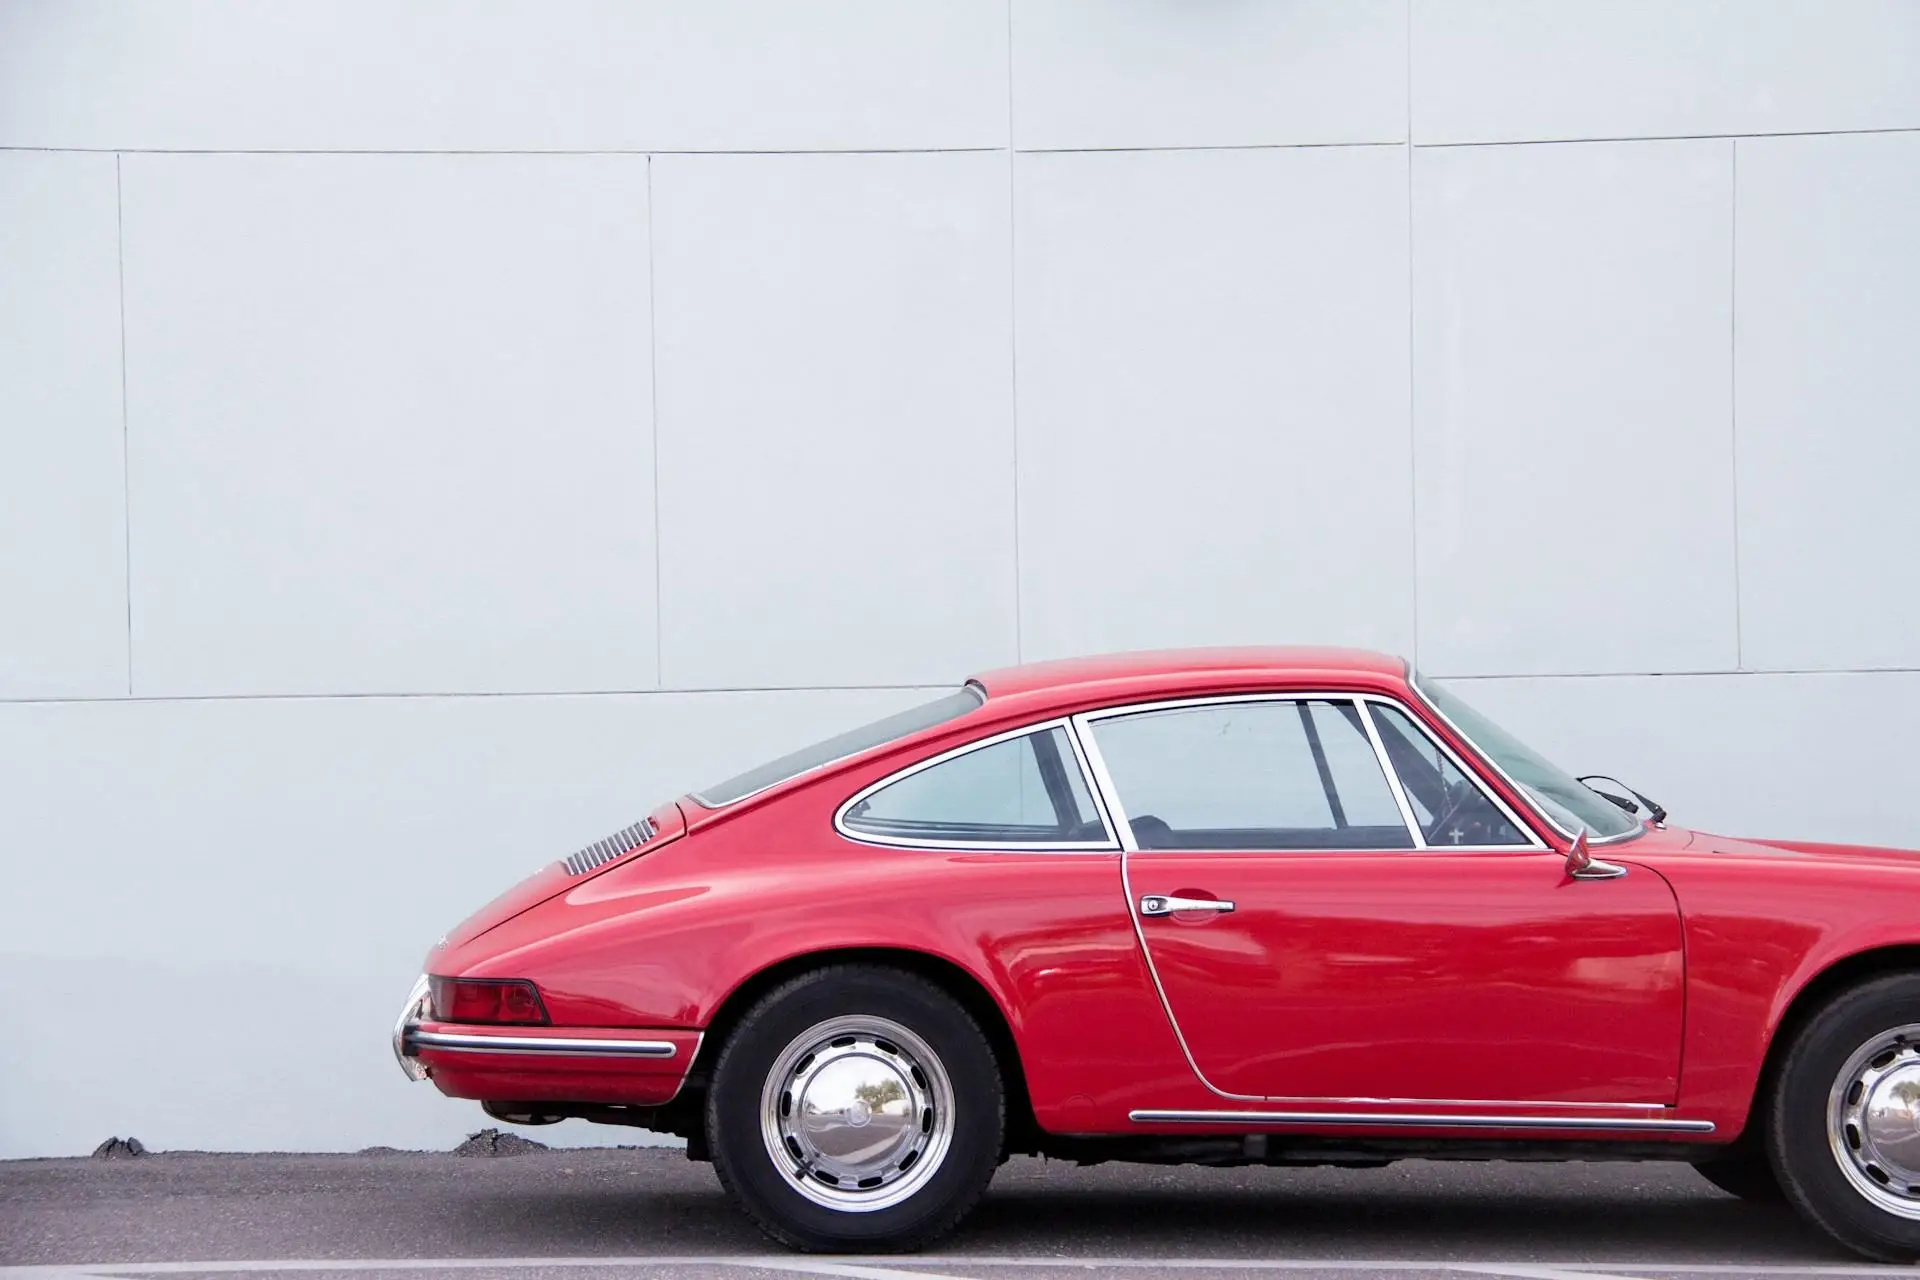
<point x="1260" y="906"/>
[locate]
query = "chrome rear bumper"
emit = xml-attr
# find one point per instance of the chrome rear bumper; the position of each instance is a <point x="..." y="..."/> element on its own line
<point x="409" y="1037"/>
<point x="591" y="1046"/>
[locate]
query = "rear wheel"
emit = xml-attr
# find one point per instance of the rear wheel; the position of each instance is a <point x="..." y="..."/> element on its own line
<point x="1845" y="1131"/>
<point x="856" y="1107"/>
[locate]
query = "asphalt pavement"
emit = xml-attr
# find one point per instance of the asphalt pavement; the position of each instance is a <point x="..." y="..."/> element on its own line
<point x="592" y="1214"/>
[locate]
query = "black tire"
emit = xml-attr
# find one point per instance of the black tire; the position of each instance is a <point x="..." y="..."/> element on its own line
<point x="1747" y="1175"/>
<point x="769" y="1190"/>
<point x="1809" y="1169"/>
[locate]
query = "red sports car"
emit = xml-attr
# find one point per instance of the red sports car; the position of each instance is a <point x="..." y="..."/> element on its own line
<point x="1253" y="906"/>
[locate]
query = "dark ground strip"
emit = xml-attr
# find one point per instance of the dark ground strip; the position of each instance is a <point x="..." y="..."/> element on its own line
<point x="654" y="1202"/>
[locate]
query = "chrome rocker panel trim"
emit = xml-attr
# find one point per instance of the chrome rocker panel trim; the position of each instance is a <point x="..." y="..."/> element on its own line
<point x="568" y="1047"/>
<point x="1420" y="1120"/>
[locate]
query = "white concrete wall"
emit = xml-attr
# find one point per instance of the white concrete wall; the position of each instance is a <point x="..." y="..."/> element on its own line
<point x="431" y="434"/>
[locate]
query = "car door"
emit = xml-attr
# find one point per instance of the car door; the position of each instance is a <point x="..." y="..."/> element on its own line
<point x="1335" y="908"/>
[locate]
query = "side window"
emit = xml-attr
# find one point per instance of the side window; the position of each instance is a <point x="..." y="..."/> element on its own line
<point x="1449" y="806"/>
<point x="1251" y="775"/>
<point x="1023" y="791"/>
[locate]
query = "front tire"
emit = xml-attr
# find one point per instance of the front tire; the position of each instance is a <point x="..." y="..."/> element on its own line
<point x="1844" y="1136"/>
<point x="856" y="1108"/>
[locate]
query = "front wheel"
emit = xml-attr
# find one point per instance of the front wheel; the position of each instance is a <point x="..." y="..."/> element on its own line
<point x="1845" y="1132"/>
<point x="856" y="1108"/>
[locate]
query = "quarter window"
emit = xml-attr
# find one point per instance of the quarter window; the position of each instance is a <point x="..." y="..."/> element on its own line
<point x="1292" y="774"/>
<point x="1449" y="806"/>
<point x="1027" y="790"/>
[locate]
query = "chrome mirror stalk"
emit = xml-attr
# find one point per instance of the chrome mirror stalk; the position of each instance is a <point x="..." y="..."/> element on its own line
<point x="1582" y="865"/>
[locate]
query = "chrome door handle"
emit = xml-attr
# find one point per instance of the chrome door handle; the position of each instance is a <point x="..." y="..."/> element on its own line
<point x="1158" y="904"/>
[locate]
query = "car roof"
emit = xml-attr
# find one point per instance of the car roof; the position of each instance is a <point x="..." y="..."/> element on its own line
<point x="1049" y="688"/>
<point x="1183" y="667"/>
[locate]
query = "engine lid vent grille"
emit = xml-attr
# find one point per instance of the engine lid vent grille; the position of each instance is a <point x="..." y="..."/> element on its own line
<point x="601" y="852"/>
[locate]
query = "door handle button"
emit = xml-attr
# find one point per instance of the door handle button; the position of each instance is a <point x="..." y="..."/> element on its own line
<point x="1159" y="904"/>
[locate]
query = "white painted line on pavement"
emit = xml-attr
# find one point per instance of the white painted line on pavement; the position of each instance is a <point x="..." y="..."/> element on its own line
<point x="896" y="1267"/>
<point x="1524" y="1272"/>
<point x="855" y="1271"/>
<point x="1586" y="1270"/>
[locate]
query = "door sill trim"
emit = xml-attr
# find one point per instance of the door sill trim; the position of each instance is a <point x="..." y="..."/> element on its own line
<point x="1421" y="1120"/>
<point x="1511" y="1104"/>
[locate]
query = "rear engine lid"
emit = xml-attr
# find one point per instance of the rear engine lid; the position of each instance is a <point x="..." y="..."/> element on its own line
<point x="657" y="828"/>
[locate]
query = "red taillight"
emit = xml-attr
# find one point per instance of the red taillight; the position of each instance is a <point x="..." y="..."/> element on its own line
<point x="486" y="1000"/>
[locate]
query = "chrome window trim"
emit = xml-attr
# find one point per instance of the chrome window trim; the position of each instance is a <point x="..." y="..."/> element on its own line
<point x="1422" y="1120"/>
<point x="1393" y="775"/>
<point x="565" y="1047"/>
<point x="1085" y="720"/>
<point x="1107" y="821"/>
<point x="1064" y="723"/>
<point x="1507" y="811"/>
<point x="1533" y="805"/>
<point x="1103" y="784"/>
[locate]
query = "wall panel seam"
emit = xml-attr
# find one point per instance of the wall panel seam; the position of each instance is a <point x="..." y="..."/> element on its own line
<point x="471" y="695"/>
<point x="1733" y="384"/>
<point x="126" y="450"/>
<point x="653" y="427"/>
<point x="505" y="151"/>
<point x="923" y="687"/>
<point x="1013" y="342"/>
<point x="1215" y="146"/>
<point x="890" y="151"/>
<point x="1666" y="137"/>
<point x="1413" y="433"/>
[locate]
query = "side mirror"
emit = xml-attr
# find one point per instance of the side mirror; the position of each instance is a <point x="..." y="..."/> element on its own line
<point x="1578" y="857"/>
<point x="1582" y="865"/>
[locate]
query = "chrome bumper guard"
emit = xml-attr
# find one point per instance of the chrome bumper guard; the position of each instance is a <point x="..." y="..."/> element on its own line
<point x="403" y="1029"/>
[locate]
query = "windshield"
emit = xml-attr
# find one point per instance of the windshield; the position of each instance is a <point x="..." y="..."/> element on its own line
<point x="840" y="746"/>
<point x="1567" y="803"/>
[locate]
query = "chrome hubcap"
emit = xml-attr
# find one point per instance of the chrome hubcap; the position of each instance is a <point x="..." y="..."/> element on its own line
<point x="1873" y="1120"/>
<point x="858" y="1113"/>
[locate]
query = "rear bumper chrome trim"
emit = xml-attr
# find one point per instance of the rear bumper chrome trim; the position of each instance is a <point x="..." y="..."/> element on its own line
<point x="567" y="1047"/>
<point x="1422" y="1120"/>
